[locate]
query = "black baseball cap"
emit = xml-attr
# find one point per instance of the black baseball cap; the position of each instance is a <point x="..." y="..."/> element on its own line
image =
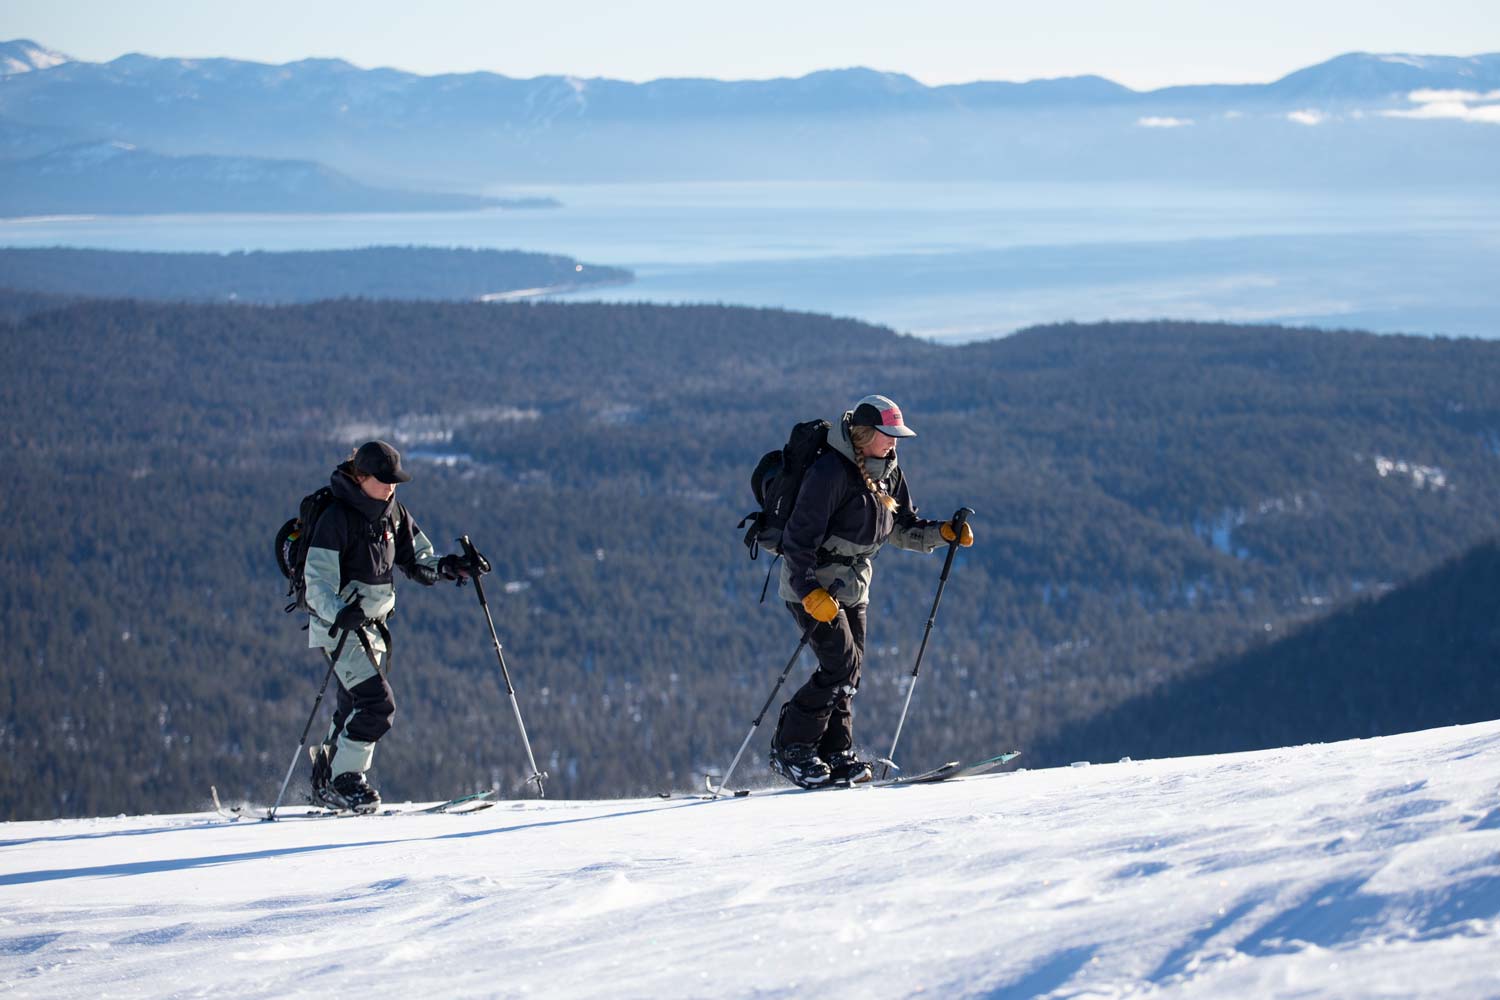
<point x="378" y="459"/>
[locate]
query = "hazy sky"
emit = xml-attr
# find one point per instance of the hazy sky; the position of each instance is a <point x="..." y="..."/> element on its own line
<point x="1140" y="43"/>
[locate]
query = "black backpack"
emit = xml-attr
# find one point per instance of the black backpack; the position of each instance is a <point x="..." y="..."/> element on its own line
<point x="292" y="543"/>
<point x="775" y="482"/>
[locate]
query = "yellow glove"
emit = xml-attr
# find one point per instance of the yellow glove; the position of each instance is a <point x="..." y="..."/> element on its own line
<point x="966" y="538"/>
<point x="821" y="605"/>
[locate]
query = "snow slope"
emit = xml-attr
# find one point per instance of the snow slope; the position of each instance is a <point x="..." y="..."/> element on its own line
<point x="1361" y="869"/>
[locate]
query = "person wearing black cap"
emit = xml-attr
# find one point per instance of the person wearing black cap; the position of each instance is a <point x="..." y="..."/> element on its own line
<point x="853" y="499"/>
<point x="355" y="545"/>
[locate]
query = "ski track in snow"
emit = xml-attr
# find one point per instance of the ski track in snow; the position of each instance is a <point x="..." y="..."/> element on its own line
<point x="1362" y="869"/>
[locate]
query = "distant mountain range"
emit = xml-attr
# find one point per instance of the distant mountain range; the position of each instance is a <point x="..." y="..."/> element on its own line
<point x="1358" y="118"/>
<point x="45" y="170"/>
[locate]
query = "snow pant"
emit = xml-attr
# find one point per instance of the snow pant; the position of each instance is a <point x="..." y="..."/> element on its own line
<point x="820" y="712"/>
<point x="365" y="709"/>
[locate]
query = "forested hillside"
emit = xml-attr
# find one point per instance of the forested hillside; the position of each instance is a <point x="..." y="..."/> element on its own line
<point x="1422" y="656"/>
<point x="1150" y="497"/>
<point x="295" y="276"/>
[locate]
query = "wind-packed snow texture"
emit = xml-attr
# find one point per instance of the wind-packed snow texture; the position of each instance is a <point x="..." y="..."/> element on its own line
<point x="1361" y="869"/>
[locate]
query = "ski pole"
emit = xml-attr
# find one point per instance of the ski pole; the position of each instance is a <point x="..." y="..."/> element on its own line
<point x="477" y="561"/>
<point x="337" y="651"/>
<point x="806" y="636"/>
<point x="960" y="518"/>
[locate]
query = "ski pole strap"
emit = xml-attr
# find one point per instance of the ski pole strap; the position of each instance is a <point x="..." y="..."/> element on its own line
<point x="390" y="647"/>
<point x="364" y="642"/>
<point x="765" y="587"/>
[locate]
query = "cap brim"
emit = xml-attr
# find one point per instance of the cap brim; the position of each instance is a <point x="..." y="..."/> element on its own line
<point x="401" y="476"/>
<point x="897" y="432"/>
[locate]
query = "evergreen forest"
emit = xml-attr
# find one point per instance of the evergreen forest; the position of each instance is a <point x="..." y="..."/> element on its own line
<point x="1163" y="509"/>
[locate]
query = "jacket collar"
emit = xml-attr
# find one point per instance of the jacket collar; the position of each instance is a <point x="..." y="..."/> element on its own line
<point x="347" y="490"/>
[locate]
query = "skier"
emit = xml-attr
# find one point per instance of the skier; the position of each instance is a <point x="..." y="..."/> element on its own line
<point x="355" y="544"/>
<point x="853" y="499"/>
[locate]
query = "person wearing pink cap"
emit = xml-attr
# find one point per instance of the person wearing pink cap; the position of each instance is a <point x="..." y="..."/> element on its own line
<point x="852" y="501"/>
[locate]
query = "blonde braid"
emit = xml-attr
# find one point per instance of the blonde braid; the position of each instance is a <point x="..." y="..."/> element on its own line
<point x="861" y="437"/>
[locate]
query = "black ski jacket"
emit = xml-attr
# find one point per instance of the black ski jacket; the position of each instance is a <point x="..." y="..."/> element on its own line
<point x="356" y="545"/>
<point x="838" y="525"/>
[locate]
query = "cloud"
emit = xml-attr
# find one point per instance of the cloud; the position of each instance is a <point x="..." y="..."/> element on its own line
<point x="1456" y="105"/>
<point x="1152" y="121"/>
<point x="1308" y="116"/>
<point x="1467" y="96"/>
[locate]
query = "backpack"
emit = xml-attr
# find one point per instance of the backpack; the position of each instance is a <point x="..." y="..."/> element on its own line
<point x="775" y="482"/>
<point x="293" y="541"/>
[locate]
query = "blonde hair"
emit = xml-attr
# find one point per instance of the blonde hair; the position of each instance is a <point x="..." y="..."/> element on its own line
<point x="861" y="437"/>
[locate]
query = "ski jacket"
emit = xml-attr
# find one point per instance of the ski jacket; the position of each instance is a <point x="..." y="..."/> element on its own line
<point x="838" y="525"/>
<point x="355" y="545"/>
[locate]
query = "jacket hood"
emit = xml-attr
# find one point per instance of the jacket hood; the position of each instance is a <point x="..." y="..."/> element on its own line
<point x="347" y="490"/>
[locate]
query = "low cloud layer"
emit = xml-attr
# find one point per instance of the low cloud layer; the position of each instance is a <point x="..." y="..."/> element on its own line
<point x="1462" y="105"/>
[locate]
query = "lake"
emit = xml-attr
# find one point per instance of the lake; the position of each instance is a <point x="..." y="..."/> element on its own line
<point x="950" y="261"/>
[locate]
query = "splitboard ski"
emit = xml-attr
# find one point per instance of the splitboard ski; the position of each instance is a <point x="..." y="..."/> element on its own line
<point x="985" y="766"/>
<point x="935" y="774"/>
<point x="943" y="772"/>
<point x="463" y="805"/>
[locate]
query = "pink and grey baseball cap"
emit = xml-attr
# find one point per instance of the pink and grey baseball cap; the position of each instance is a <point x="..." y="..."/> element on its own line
<point x="881" y="413"/>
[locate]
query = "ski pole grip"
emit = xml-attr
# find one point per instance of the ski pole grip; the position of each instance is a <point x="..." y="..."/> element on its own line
<point x="477" y="563"/>
<point x="960" y="518"/>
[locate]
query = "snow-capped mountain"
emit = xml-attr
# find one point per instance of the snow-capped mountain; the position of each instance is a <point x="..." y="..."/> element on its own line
<point x="1361" y="869"/>
<point x="23" y="55"/>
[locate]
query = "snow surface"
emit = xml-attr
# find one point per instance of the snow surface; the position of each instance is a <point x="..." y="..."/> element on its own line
<point x="1360" y="869"/>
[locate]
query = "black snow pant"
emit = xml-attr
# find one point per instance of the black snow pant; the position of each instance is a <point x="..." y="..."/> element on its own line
<point x="366" y="707"/>
<point x="821" y="712"/>
<point x="373" y="705"/>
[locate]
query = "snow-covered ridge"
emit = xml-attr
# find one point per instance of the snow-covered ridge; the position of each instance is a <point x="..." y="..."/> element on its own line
<point x="1359" y="869"/>
<point x="25" y="56"/>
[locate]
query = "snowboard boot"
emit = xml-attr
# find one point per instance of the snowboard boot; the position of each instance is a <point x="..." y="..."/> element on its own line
<point x="350" y="791"/>
<point x="799" y="763"/>
<point x="846" y="768"/>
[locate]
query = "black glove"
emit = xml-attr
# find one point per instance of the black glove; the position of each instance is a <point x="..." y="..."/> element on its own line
<point x="425" y="575"/>
<point x="352" y="617"/>
<point x="453" y="567"/>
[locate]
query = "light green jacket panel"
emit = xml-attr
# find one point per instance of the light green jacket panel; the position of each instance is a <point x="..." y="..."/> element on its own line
<point x="326" y="600"/>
